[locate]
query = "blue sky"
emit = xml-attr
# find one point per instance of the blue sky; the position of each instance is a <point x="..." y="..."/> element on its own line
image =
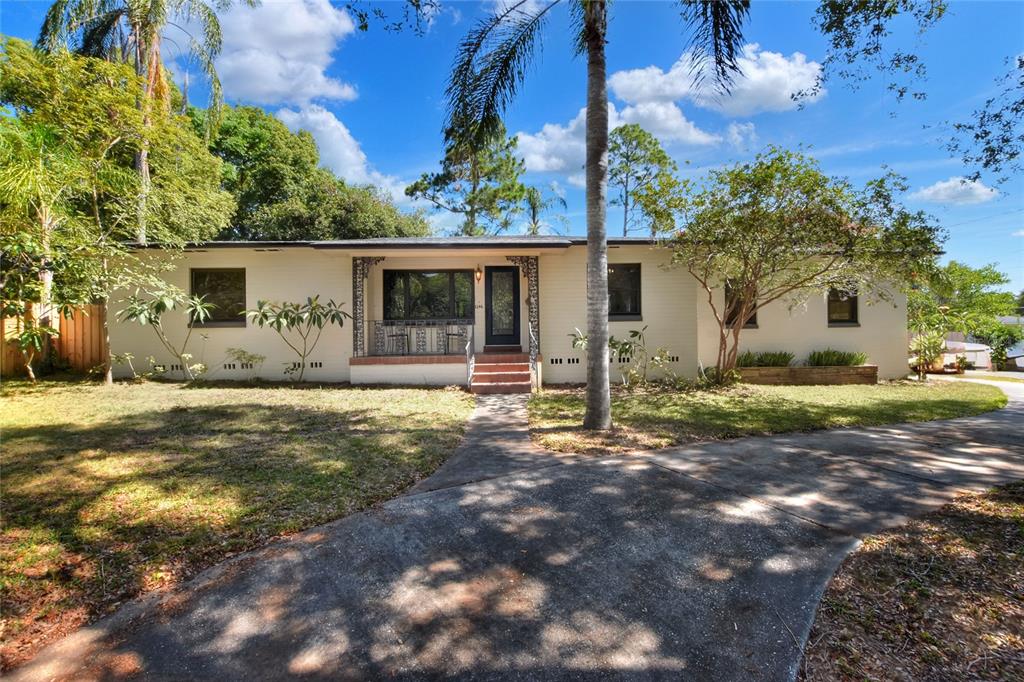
<point x="375" y="101"/>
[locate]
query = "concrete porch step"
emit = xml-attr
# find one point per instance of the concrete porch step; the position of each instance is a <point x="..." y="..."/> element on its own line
<point x="508" y="387"/>
<point x="502" y="377"/>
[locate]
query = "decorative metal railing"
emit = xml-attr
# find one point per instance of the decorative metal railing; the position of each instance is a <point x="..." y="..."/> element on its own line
<point x="418" y="337"/>
<point x="470" y="356"/>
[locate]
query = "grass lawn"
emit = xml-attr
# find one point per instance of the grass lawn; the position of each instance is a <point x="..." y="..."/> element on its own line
<point x="941" y="598"/>
<point x="109" y="492"/>
<point x="1010" y="379"/>
<point x="660" y="418"/>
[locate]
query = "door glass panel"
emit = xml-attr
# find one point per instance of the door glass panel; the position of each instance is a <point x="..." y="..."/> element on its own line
<point x="502" y="303"/>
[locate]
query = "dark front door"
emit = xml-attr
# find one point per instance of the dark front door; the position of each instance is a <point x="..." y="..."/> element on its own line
<point x="501" y="292"/>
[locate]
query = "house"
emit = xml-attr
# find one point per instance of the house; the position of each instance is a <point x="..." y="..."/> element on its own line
<point x="497" y="312"/>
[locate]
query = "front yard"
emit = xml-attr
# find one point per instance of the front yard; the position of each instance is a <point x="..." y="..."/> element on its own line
<point x="941" y="598"/>
<point x="109" y="492"/>
<point x="659" y="418"/>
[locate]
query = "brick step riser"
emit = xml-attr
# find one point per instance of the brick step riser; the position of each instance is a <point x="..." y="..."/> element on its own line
<point x="501" y="377"/>
<point x="501" y="357"/>
<point x="491" y="368"/>
<point x="499" y="388"/>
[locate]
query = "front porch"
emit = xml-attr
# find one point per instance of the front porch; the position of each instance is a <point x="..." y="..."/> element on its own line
<point x="439" y="320"/>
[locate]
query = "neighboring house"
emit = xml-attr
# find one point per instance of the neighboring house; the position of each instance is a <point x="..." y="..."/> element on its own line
<point x="501" y="310"/>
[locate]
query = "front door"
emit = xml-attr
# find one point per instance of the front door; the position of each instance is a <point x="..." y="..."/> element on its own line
<point x="501" y="293"/>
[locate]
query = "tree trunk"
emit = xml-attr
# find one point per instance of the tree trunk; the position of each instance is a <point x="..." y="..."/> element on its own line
<point x="625" y="209"/>
<point x="108" y="364"/>
<point x="598" y="414"/>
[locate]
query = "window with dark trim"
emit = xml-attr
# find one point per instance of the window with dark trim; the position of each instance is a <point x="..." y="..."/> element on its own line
<point x="224" y="288"/>
<point x="732" y="309"/>
<point x="842" y="308"/>
<point x="428" y="294"/>
<point x="624" y="291"/>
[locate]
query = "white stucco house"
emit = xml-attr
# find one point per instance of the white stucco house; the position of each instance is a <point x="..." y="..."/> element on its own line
<point x="496" y="313"/>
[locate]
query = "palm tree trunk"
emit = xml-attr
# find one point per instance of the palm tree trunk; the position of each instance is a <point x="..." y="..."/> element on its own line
<point x="598" y="413"/>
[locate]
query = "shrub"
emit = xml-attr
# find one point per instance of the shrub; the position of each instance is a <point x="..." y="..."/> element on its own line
<point x="927" y="347"/>
<point x="836" y="358"/>
<point x="769" y="358"/>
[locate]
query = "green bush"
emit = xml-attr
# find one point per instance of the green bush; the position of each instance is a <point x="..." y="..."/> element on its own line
<point x="770" y="358"/>
<point x="836" y="358"/>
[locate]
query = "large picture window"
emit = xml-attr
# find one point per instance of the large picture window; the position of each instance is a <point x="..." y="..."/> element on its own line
<point x="428" y="294"/>
<point x="842" y="308"/>
<point x="732" y="308"/>
<point x="624" y="291"/>
<point x="224" y="288"/>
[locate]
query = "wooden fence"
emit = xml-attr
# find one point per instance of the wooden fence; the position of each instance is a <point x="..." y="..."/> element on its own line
<point x="81" y="345"/>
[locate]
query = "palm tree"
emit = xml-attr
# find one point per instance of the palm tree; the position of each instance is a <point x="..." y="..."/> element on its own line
<point x="490" y="67"/>
<point x="537" y="205"/>
<point x="133" y="31"/>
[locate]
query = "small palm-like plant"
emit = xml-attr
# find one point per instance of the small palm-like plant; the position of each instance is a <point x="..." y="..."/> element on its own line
<point x="148" y="309"/>
<point x="306" y="320"/>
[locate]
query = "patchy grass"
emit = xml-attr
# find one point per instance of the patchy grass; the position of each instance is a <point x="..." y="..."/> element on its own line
<point x="941" y="598"/>
<point x="1009" y="379"/>
<point x="109" y="492"/>
<point x="659" y="417"/>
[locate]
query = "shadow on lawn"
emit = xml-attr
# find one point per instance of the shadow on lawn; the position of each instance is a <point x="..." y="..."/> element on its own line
<point x="103" y="512"/>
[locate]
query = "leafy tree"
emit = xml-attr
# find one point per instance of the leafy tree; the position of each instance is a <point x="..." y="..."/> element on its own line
<point x="479" y="180"/>
<point x="1000" y="338"/>
<point x="132" y="32"/>
<point x="148" y="308"/>
<point x="1020" y="302"/>
<point x="537" y="204"/>
<point x="957" y="297"/>
<point x="777" y="228"/>
<point x="635" y="160"/>
<point x="490" y="67"/>
<point x="306" y="320"/>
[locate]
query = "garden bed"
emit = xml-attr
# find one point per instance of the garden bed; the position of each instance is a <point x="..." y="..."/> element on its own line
<point x="810" y="376"/>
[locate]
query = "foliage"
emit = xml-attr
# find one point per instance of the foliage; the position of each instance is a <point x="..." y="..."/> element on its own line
<point x="1000" y="338"/>
<point x="148" y="309"/>
<point x="927" y="347"/>
<point x="537" y="204"/>
<point x="283" y="194"/>
<point x="307" y="320"/>
<point x="993" y="139"/>
<point x="778" y="228"/>
<point x="635" y="160"/>
<point x="858" y="35"/>
<point x="957" y="297"/>
<point x="641" y="359"/>
<point x="778" y="358"/>
<point x="479" y="180"/>
<point x="254" y="361"/>
<point x="831" y="357"/>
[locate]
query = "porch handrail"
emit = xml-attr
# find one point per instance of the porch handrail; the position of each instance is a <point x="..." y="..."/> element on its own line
<point x="470" y="356"/>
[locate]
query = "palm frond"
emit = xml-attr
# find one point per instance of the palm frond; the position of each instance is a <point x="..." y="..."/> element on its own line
<point x="64" y="20"/>
<point x="101" y="36"/>
<point x="716" y="28"/>
<point x="491" y="63"/>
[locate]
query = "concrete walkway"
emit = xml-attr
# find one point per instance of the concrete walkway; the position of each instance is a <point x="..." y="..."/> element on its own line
<point x="697" y="562"/>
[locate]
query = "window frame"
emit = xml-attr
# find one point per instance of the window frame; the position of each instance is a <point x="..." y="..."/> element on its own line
<point x="751" y="322"/>
<point x="242" y="321"/>
<point x="451" y="272"/>
<point x="854" y="322"/>
<point x="628" y="317"/>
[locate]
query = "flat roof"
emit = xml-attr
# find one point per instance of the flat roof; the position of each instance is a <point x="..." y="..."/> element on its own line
<point x="506" y="241"/>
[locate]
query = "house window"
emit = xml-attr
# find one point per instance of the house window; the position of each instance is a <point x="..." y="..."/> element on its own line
<point x="224" y="289"/>
<point x="428" y="294"/>
<point x="842" y="308"/>
<point x="624" y="291"/>
<point x="732" y="308"/>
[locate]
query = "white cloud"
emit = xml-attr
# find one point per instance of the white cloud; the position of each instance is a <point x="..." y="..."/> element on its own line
<point x="278" y="52"/>
<point x="557" y="147"/>
<point x="957" y="190"/>
<point x="742" y="136"/>
<point x="766" y="82"/>
<point x="339" y="151"/>
<point x="1018" y="233"/>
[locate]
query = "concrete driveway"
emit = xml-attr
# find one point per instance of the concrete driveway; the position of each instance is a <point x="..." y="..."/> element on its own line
<point x="699" y="562"/>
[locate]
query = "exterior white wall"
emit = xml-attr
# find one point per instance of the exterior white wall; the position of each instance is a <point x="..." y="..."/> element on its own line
<point x="667" y="305"/>
<point x="881" y="332"/>
<point x="287" y="274"/>
<point x="439" y="374"/>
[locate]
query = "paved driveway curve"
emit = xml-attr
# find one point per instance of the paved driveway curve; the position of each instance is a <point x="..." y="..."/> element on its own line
<point x="697" y="562"/>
